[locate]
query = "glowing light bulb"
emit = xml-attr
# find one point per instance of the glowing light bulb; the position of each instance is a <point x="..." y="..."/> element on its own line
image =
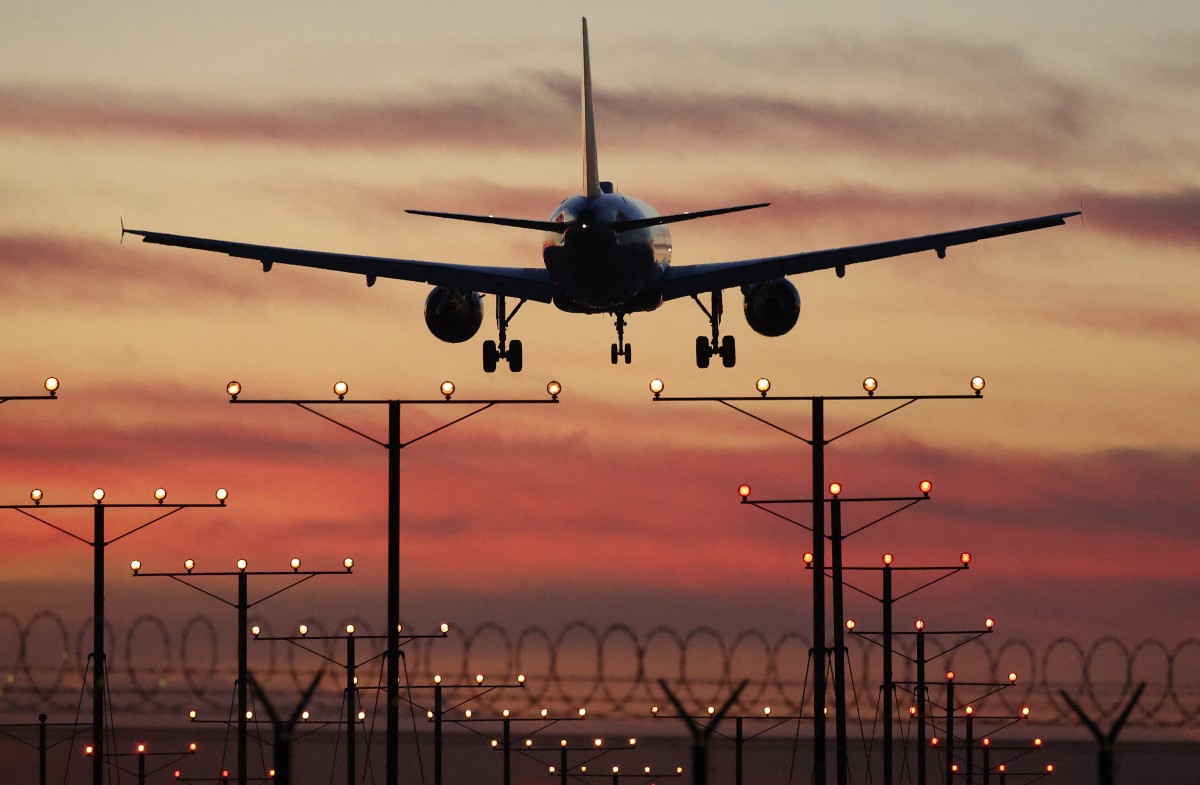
<point x="256" y="630"/>
<point x="189" y="564"/>
<point x="295" y="564"/>
<point x="920" y="625"/>
<point x="304" y="629"/>
<point x="447" y="389"/>
<point x="744" y="491"/>
<point x="870" y="384"/>
<point x="135" y="565"/>
<point x="835" y="488"/>
<point x="98" y="494"/>
<point x="160" y="494"/>
<point x="966" y="558"/>
<point x="887" y="559"/>
<point x="51" y="385"/>
<point x="553" y="388"/>
<point x="657" y="386"/>
<point x="241" y="564"/>
<point x="233" y="388"/>
<point x="221" y="495"/>
<point x="348" y="563"/>
<point x="977" y="384"/>
<point x="340" y="389"/>
<point x="851" y="624"/>
<point x="350" y="631"/>
<point x="926" y="486"/>
<point x="763" y="386"/>
<point x="36" y="495"/>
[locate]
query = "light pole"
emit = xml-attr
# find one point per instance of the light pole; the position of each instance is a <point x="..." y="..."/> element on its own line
<point x="818" y="441"/>
<point x="98" y="543"/>
<point x="564" y="770"/>
<point x="393" y="445"/>
<point x="242" y="605"/>
<point x="952" y="707"/>
<point x="437" y="715"/>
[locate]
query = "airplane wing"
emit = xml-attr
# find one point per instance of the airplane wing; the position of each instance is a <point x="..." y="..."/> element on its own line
<point x="688" y="280"/>
<point x="525" y="283"/>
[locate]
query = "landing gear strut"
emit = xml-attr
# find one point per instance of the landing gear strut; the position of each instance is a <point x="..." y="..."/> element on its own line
<point x="510" y="352"/>
<point x="724" y="347"/>
<point x="620" y="348"/>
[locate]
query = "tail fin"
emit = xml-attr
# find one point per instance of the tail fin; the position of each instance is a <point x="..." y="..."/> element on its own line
<point x="591" y="170"/>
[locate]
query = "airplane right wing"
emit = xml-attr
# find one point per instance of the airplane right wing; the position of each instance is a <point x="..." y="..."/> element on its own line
<point x="688" y="280"/>
<point x="524" y="283"/>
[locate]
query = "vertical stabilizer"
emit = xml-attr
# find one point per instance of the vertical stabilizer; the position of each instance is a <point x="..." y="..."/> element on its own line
<point x="591" y="170"/>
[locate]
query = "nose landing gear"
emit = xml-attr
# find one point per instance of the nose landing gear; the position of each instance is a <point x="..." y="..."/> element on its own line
<point x="620" y="348"/>
<point x="706" y="349"/>
<point x="509" y="351"/>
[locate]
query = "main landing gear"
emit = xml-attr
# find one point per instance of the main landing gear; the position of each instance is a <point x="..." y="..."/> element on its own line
<point x="508" y="351"/>
<point x="620" y="348"/>
<point x="718" y="346"/>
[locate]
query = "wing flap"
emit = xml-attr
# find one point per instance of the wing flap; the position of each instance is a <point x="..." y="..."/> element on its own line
<point x="687" y="280"/>
<point x="525" y="283"/>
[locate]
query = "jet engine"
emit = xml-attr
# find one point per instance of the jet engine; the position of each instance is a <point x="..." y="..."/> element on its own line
<point x="771" y="307"/>
<point x="453" y="316"/>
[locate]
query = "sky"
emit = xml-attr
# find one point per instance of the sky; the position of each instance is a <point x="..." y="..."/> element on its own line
<point x="1073" y="481"/>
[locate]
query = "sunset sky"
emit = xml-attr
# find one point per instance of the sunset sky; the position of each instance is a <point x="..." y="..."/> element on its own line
<point x="1074" y="481"/>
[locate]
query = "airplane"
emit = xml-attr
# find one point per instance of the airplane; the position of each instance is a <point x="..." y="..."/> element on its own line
<point x="603" y="252"/>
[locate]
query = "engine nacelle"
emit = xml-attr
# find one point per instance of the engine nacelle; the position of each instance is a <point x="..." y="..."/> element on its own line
<point x="771" y="307"/>
<point x="453" y="316"/>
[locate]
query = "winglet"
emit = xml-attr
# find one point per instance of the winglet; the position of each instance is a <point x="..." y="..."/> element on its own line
<point x="591" y="170"/>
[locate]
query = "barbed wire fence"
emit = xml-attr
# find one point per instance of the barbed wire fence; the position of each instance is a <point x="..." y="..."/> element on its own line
<point x="161" y="669"/>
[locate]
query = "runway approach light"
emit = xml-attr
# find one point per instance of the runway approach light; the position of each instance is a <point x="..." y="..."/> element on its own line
<point x="920" y="624"/>
<point x="887" y="559"/>
<point x="98" y="495"/>
<point x="657" y="386"/>
<point x="553" y="388"/>
<point x="189" y="564"/>
<point x="160" y="494"/>
<point x="295" y="564"/>
<point x="51" y="385"/>
<point x="233" y="388"/>
<point x="763" y="386"/>
<point x="926" y="486"/>
<point x="340" y="389"/>
<point x="241" y="565"/>
<point x="135" y="565"/>
<point x="256" y="630"/>
<point x="222" y="495"/>
<point x="977" y="384"/>
<point x="989" y="623"/>
<point x="744" y="491"/>
<point x="835" y="489"/>
<point x="447" y="389"/>
<point x="966" y="559"/>
<point x="348" y="563"/>
<point x="36" y="495"/>
<point x="808" y="559"/>
<point x="870" y="384"/>
<point x="851" y="624"/>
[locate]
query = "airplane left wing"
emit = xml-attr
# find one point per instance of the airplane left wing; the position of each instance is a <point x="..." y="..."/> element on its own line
<point x="688" y="280"/>
<point x="525" y="283"/>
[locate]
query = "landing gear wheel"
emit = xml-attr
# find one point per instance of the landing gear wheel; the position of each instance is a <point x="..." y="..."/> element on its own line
<point x="516" y="357"/>
<point x="491" y="356"/>
<point x="703" y="352"/>
<point x="628" y="354"/>
<point x="615" y="352"/>
<point x="728" y="351"/>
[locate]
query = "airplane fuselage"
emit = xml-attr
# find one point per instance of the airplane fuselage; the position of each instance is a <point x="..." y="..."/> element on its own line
<point x="596" y="269"/>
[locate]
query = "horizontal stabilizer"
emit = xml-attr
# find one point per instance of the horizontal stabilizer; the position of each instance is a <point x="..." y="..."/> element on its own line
<point x="659" y="220"/>
<point x="520" y="223"/>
